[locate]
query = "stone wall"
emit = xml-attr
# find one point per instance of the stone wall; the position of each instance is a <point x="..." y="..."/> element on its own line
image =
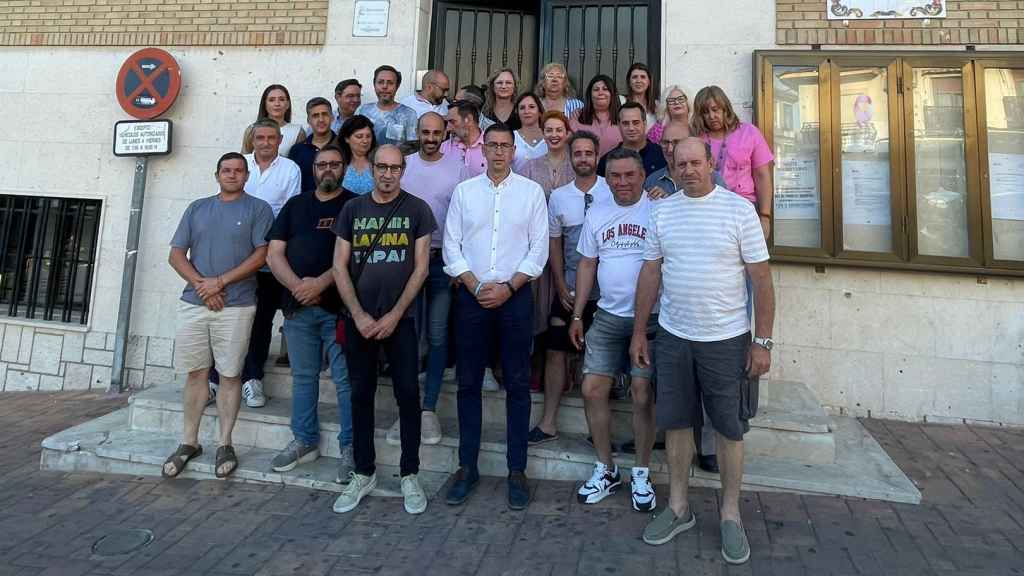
<point x="162" y="22"/>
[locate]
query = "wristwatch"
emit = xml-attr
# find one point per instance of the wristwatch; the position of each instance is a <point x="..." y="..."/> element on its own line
<point x="766" y="343"/>
<point x="575" y="317"/>
<point x="511" y="289"/>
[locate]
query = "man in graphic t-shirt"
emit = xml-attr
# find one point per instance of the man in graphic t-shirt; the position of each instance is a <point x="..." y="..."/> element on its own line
<point x="381" y="258"/>
<point x="612" y="245"/>
<point x="300" y="256"/>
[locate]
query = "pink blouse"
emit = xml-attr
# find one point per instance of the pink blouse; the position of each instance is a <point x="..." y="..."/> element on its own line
<point x="745" y="150"/>
<point x="607" y="133"/>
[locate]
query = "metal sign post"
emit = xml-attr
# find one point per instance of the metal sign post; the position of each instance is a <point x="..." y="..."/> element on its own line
<point x="131" y="254"/>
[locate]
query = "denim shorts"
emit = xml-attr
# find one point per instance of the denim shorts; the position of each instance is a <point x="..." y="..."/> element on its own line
<point x="607" y="346"/>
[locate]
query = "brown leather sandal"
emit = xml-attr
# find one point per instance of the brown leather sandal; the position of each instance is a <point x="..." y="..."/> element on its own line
<point x="225" y="455"/>
<point x="182" y="456"/>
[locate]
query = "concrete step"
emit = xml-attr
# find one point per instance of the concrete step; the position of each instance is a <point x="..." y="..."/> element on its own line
<point x="108" y="445"/>
<point x="790" y="421"/>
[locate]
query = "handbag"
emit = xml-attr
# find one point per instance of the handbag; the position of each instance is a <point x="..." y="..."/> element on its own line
<point x="339" y="331"/>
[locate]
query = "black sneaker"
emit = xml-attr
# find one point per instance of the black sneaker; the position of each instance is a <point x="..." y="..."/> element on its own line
<point x="603" y="483"/>
<point x="538" y="436"/>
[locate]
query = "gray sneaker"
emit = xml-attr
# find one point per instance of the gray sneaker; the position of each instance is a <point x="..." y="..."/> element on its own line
<point x="294" y="454"/>
<point x="735" y="548"/>
<point x="415" y="499"/>
<point x="358" y="486"/>
<point x="665" y="525"/>
<point x="346" y="465"/>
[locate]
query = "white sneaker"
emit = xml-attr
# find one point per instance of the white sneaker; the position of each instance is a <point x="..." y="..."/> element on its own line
<point x="415" y="499"/>
<point x="394" y="436"/>
<point x="252" y="391"/>
<point x="430" y="428"/>
<point x="643" y="491"/>
<point x="490" y="384"/>
<point x="358" y="486"/>
<point x="603" y="483"/>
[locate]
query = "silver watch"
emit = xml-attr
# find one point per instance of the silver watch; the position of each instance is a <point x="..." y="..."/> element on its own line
<point x="766" y="343"/>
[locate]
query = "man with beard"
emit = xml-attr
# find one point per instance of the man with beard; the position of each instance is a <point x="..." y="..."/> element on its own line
<point x="567" y="208"/>
<point x="433" y="176"/>
<point x="300" y="256"/>
<point x="393" y="122"/>
<point x="467" y="142"/>
<point x="432" y="96"/>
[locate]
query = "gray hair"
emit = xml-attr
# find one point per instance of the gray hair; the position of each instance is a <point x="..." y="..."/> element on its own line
<point x="265" y="123"/>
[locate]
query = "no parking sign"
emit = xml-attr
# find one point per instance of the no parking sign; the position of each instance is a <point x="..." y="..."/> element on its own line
<point x="148" y="83"/>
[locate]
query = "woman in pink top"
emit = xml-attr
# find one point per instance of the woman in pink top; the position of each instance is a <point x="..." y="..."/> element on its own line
<point x="742" y="157"/>
<point x="676" y="111"/>
<point x="600" y="113"/>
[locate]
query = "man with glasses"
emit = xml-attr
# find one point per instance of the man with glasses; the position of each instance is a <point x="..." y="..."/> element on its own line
<point x="381" y="258"/>
<point x="432" y="95"/>
<point x="300" y="256"/>
<point x="495" y="243"/>
<point x="662" y="182"/>
<point x="348" y="94"/>
<point x="566" y="210"/>
<point x="393" y="123"/>
<point x="633" y="127"/>
<point x="611" y="249"/>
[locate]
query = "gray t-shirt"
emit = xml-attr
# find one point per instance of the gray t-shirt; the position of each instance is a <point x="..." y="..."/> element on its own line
<point x="219" y="236"/>
<point x="393" y="127"/>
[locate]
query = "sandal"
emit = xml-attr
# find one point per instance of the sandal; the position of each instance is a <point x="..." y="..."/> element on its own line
<point x="225" y="455"/>
<point x="182" y="456"/>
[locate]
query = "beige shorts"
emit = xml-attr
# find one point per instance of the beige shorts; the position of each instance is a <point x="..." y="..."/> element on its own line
<point x="204" y="337"/>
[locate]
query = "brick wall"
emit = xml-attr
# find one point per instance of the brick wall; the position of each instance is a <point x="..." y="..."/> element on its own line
<point x="990" y="22"/>
<point x="162" y="22"/>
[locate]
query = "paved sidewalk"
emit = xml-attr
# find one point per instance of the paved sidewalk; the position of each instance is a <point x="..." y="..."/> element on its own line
<point x="971" y="521"/>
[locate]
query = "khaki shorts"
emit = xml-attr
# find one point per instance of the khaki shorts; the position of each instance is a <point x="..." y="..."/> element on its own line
<point x="204" y="337"/>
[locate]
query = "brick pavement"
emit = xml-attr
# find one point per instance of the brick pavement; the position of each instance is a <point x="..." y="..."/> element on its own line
<point x="971" y="521"/>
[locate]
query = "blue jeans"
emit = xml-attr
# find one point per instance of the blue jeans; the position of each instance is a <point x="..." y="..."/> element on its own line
<point x="439" y="301"/>
<point x="477" y="328"/>
<point x="308" y="330"/>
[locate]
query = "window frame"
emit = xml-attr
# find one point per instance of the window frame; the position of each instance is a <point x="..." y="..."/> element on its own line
<point x="899" y="66"/>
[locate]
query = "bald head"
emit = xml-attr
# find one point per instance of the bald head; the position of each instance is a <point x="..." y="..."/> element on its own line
<point x="435" y="86"/>
<point x="388" y="165"/>
<point x="693" y="166"/>
<point x="430" y="132"/>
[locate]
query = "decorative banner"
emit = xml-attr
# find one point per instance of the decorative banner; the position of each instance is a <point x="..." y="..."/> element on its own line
<point x="884" y="9"/>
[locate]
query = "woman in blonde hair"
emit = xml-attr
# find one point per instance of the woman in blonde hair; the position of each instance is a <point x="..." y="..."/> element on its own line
<point x="500" y="98"/>
<point x="556" y="91"/>
<point x="742" y="156"/>
<point x="676" y="110"/>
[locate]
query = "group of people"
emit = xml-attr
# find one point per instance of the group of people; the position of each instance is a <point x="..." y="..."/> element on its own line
<point x="619" y="228"/>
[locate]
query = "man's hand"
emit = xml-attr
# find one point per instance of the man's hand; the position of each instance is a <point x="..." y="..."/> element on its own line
<point x="766" y="227"/>
<point x="576" y="333"/>
<point x="657" y="193"/>
<point x="759" y="361"/>
<point x="366" y="325"/>
<point x="307" y="291"/>
<point x="386" y="325"/>
<point x="565" y="298"/>
<point x="209" y="287"/>
<point x="493" y="295"/>
<point x="215" y="303"/>
<point x="639" y="350"/>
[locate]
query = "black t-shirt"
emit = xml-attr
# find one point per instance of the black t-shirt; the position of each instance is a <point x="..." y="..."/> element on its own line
<point x="393" y="261"/>
<point x="653" y="157"/>
<point x="306" y="223"/>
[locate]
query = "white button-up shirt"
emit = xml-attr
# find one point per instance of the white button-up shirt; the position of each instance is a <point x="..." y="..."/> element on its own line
<point x="279" y="182"/>
<point x="495" y="231"/>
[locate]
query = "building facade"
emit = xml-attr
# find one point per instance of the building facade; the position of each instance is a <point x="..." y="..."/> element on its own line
<point x="899" y="296"/>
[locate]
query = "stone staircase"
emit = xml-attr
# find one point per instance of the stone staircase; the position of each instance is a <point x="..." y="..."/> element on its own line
<point x="793" y="444"/>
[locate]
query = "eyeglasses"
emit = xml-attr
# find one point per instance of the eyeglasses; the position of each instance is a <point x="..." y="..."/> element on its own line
<point x="393" y="168"/>
<point x="675" y="100"/>
<point x="326" y="165"/>
<point x="503" y="146"/>
<point x="669" y="143"/>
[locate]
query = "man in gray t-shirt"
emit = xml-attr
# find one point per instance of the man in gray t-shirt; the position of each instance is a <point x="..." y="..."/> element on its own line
<point x="218" y="246"/>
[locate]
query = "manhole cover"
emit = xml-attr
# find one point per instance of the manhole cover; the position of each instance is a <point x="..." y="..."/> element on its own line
<point x="122" y="541"/>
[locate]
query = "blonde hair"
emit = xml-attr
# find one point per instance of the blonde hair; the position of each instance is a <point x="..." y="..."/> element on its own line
<point x="663" y="105"/>
<point x="702" y="101"/>
<point x="567" y="92"/>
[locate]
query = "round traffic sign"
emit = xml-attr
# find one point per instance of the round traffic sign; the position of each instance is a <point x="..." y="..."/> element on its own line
<point x="148" y="83"/>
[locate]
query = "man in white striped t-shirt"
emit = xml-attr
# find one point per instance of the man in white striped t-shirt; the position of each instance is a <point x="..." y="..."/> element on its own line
<point x="699" y="246"/>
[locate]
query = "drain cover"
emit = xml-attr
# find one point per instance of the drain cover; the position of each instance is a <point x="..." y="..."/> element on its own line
<point x="122" y="541"/>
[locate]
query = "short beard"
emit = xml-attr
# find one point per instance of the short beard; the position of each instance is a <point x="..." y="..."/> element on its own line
<point x="327" y="185"/>
<point x="590" y="172"/>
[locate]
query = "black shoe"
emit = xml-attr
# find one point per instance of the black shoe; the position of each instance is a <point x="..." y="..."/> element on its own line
<point x="462" y="487"/>
<point x="518" y="491"/>
<point x="538" y="436"/>
<point x="708" y="463"/>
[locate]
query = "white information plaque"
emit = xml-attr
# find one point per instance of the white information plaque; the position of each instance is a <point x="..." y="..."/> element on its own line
<point x="370" y="18"/>
<point x="142" y="137"/>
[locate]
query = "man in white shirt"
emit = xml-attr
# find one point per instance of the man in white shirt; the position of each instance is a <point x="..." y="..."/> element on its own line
<point x="699" y="246"/>
<point x="566" y="209"/>
<point x="612" y="246"/>
<point x="393" y="123"/>
<point x="495" y="243"/>
<point x="431" y="96"/>
<point x="274" y="179"/>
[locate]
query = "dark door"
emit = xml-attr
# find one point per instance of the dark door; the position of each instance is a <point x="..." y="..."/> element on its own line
<point x="471" y="40"/>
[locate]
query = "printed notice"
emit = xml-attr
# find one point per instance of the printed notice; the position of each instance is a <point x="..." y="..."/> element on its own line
<point x="866" y="198"/>
<point x="1006" y="185"/>
<point x="796" y="188"/>
<point x="144" y="138"/>
<point x="371" y="18"/>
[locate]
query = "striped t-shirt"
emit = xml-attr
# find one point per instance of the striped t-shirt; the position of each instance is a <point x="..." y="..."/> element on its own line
<point x="704" y="243"/>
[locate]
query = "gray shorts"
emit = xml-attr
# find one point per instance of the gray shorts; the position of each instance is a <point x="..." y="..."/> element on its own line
<point x="607" y="341"/>
<point x="690" y="372"/>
